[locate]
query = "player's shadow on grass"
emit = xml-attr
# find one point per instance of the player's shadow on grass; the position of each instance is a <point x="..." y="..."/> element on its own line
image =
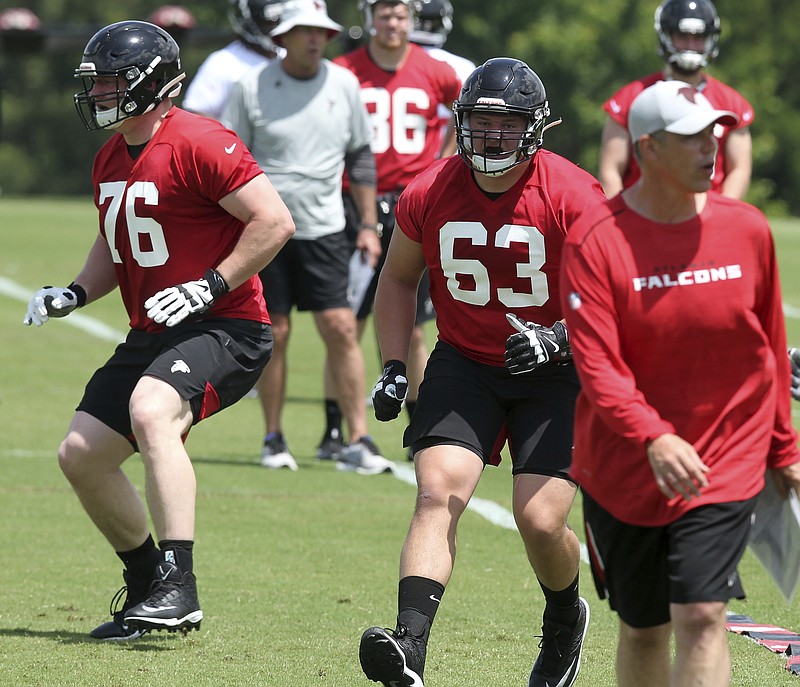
<point x="154" y="641"/>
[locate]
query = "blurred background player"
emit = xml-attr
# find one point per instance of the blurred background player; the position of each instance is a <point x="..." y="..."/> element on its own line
<point x="252" y="20"/>
<point x="402" y="87"/>
<point x="688" y="39"/>
<point x="304" y="121"/>
<point x="433" y="21"/>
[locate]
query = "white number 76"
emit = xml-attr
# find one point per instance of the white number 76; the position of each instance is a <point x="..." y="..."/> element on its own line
<point x="158" y="253"/>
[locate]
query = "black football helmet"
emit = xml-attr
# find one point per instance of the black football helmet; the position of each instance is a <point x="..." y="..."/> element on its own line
<point x="366" y="8"/>
<point x="146" y="61"/>
<point x="501" y="85"/>
<point x="433" y="20"/>
<point x="252" y="20"/>
<point x="687" y="16"/>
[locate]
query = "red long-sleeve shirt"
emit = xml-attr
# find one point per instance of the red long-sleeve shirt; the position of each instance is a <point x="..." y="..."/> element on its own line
<point x="676" y="328"/>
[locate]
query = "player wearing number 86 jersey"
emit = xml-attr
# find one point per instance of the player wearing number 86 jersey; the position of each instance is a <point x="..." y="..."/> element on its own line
<point x="403" y="108"/>
<point x="489" y="226"/>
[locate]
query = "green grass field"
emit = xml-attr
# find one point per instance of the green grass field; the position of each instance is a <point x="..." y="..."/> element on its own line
<point x="291" y="566"/>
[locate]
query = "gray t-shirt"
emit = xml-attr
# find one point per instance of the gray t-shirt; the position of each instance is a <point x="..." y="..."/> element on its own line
<point x="299" y="132"/>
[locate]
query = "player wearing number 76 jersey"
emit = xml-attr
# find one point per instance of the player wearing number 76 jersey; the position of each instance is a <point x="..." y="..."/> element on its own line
<point x="489" y="225"/>
<point x="187" y="219"/>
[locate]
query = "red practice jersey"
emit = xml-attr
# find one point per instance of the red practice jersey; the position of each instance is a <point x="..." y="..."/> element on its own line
<point x="676" y="329"/>
<point x="490" y="257"/>
<point x="720" y="95"/>
<point x="402" y="107"/>
<point x="161" y="217"/>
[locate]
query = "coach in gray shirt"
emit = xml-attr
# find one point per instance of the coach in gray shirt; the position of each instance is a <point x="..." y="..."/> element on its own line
<point x="303" y="119"/>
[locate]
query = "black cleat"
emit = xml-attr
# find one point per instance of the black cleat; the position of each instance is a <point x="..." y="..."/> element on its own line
<point x="393" y="658"/>
<point x="116" y="629"/>
<point x="559" y="660"/>
<point x="172" y="604"/>
<point x="331" y="446"/>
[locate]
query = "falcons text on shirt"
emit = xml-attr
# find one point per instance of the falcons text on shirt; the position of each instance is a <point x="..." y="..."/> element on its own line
<point x="667" y="280"/>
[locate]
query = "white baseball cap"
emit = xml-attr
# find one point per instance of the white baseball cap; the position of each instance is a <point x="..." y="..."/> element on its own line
<point x="676" y="107"/>
<point x="305" y="13"/>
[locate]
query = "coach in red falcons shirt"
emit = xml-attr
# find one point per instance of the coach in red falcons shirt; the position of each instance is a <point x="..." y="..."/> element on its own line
<point x="187" y="219"/>
<point x="673" y="438"/>
<point x="489" y="224"/>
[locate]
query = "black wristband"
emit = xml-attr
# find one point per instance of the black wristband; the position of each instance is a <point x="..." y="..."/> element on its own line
<point x="216" y="282"/>
<point x="395" y="367"/>
<point x="80" y="293"/>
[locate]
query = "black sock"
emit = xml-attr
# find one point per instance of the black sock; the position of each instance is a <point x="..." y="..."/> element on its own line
<point x="418" y="600"/>
<point x="562" y="606"/>
<point x="333" y="418"/>
<point x="179" y="552"/>
<point x="411" y="406"/>
<point x="141" y="562"/>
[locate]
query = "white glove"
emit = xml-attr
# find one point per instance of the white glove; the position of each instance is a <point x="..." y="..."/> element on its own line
<point x="50" y="301"/>
<point x="175" y="304"/>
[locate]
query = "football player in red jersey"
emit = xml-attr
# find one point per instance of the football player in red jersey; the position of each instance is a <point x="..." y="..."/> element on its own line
<point x="489" y="225"/>
<point x="402" y="87"/>
<point x="688" y="36"/>
<point x="187" y="219"/>
<point x="671" y="448"/>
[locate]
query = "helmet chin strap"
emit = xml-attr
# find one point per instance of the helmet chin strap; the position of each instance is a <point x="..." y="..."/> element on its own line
<point x="494" y="166"/>
<point x="688" y="60"/>
<point x="108" y="119"/>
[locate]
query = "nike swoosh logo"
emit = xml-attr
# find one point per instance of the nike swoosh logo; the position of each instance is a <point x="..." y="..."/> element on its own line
<point x="433" y="598"/>
<point x="230" y="149"/>
<point x="563" y="680"/>
<point x="151" y="609"/>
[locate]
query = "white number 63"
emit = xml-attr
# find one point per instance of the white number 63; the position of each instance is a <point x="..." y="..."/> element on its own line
<point x="476" y="233"/>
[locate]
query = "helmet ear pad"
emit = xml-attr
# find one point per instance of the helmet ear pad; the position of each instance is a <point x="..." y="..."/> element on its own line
<point x="501" y="86"/>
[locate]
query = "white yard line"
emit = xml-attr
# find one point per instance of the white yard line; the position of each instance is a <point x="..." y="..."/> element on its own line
<point x="489" y="510"/>
<point x="78" y="320"/>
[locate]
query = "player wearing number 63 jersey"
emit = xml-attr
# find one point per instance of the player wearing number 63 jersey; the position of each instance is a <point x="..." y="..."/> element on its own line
<point x="187" y="219"/>
<point x="488" y="256"/>
<point x="489" y="226"/>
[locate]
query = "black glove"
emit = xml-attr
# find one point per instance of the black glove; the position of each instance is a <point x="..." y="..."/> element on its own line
<point x="534" y="345"/>
<point x="390" y="391"/>
<point x="174" y="304"/>
<point x="794" y="358"/>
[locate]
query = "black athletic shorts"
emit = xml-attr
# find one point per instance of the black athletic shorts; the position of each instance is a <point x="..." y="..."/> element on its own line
<point x="642" y="570"/>
<point x="308" y="275"/>
<point x="466" y="403"/>
<point x="386" y="203"/>
<point x="211" y="363"/>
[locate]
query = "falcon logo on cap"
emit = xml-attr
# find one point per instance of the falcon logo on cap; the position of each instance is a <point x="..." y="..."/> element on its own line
<point x="689" y="93"/>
